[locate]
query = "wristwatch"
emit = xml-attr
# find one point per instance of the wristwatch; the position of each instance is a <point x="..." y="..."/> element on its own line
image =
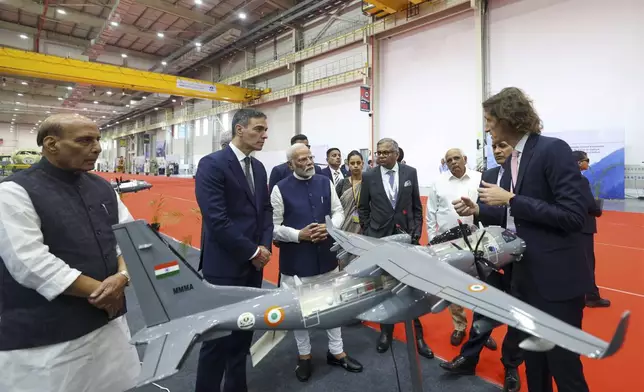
<point x="127" y="276"/>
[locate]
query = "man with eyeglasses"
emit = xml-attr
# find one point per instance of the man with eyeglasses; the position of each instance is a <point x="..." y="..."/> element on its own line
<point x="389" y="204"/>
<point x="300" y="204"/>
<point x="282" y="171"/>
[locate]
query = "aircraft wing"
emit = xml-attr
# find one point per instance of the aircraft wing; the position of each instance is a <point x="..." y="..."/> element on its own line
<point x="423" y="272"/>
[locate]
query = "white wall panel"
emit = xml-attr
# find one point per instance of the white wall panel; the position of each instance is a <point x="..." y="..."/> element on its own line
<point x="340" y="61"/>
<point x="579" y="60"/>
<point x="264" y="52"/>
<point x="233" y="65"/>
<point x="334" y="118"/>
<point x="427" y="93"/>
<point x="22" y="137"/>
<point x="280" y="125"/>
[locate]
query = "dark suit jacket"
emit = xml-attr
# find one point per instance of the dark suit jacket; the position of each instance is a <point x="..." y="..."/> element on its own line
<point x="594" y="209"/>
<point x="327" y="172"/>
<point x="377" y="217"/>
<point x="549" y="210"/>
<point x="498" y="217"/>
<point x="235" y="221"/>
<point x="282" y="171"/>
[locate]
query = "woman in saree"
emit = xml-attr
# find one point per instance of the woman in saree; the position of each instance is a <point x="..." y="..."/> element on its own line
<point x="349" y="192"/>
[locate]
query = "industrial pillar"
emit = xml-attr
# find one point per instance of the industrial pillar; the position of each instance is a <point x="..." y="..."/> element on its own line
<point x="373" y="56"/>
<point x="482" y="44"/>
<point x="296" y="72"/>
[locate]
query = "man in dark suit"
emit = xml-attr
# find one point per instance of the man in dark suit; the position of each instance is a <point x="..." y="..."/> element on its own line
<point x="593" y="299"/>
<point x="389" y="204"/>
<point x="467" y="360"/>
<point x="238" y="227"/>
<point x="541" y="192"/>
<point x="282" y="171"/>
<point x="336" y="170"/>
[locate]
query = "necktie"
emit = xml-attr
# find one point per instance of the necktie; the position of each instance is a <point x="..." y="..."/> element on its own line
<point x="247" y="172"/>
<point x="336" y="176"/>
<point x="514" y="167"/>
<point x="391" y="186"/>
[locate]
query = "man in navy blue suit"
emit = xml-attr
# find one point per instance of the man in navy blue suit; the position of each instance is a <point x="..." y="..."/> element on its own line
<point x="512" y="357"/>
<point x="593" y="299"/>
<point x="336" y="170"/>
<point x="282" y="171"/>
<point x="238" y="228"/>
<point x="541" y="193"/>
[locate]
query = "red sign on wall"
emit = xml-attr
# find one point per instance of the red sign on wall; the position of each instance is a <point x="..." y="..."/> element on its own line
<point x="365" y="98"/>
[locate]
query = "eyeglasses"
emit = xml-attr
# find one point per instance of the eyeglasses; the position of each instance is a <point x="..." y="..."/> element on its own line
<point x="383" y="153"/>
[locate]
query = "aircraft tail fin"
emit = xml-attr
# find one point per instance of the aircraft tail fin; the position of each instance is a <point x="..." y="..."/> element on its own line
<point x="166" y="285"/>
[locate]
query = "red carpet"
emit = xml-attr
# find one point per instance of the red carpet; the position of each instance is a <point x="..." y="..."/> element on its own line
<point x="620" y="269"/>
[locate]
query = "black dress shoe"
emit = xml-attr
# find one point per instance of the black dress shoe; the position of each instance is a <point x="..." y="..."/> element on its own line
<point x="512" y="381"/>
<point x="457" y="337"/>
<point x="490" y="343"/>
<point x="383" y="342"/>
<point x="460" y="365"/>
<point x="597" y="303"/>
<point x="349" y="364"/>
<point x="303" y="369"/>
<point x="423" y="349"/>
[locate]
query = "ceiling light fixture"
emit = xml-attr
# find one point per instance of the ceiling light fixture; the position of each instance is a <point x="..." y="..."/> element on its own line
<point x="60" y="99"/>
<point x="24" y="83"/>
<point x="198" y="2"/>
<point x="108" y="93"/>
<point x="124" y="55"/>
<point x="20" y="94"/>
<point x="242" y="15"/>
<point x="164" y="63"/>
<point x="160" y="34"/>
<point x="95" y="102"/>
<point x="198" y="44"/>
<point x="174" y="100"/>
<point x="115" y="24"/>
<point x="48" y="112"/>
<point x="156" y="108"/>
<point x="70" y="88"/>
<point x="61" y="11"/>
<point x="23" y="36"/>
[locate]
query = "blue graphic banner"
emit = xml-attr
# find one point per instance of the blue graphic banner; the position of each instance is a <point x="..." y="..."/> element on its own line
<point x="605" y="150"/>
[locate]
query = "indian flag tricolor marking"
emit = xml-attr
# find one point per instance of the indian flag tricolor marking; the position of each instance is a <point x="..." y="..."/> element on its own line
<point x="166" y="270"/>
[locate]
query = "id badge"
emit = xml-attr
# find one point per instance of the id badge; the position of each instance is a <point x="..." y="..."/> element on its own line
<point x="354" y="217"/>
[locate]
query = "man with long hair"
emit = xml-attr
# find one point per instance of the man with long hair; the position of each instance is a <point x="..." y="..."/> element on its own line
<point x="542" y="199"/>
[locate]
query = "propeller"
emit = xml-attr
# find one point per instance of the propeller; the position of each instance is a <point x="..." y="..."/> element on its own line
<point x="479" y="260"/>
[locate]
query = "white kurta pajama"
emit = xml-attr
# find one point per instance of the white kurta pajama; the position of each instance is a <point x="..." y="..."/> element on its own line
<point x="101" y="361"/>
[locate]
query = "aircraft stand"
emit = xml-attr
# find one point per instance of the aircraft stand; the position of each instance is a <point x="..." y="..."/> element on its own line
<point x="412" y="355"/>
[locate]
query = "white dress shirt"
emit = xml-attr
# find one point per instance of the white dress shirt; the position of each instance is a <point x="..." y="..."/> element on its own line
<point x="441" y="215"/>
<point x="288" y="234"/>
<point x="114" y="363"/>
<point x="240" y="158"/>
<point x="336" y="175"/>
<point x="391" y="192"/>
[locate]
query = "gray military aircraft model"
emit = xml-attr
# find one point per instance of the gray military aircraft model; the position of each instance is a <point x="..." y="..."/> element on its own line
<point x="129" y="186"/>
<point x="387" y="282"/>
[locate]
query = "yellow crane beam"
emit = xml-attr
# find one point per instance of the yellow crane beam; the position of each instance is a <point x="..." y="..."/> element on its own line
<point x="44" y="66"/>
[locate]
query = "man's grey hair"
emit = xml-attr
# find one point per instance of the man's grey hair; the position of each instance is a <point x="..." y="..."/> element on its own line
<point x="226" y="137"/>
<point x="291" y="150"/>
<point x="394" y="144"/>
<point x="457" y="150"/>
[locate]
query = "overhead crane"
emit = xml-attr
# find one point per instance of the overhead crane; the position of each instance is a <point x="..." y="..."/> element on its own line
<point x="380" y="8"/>
<point x="44" y="66"/>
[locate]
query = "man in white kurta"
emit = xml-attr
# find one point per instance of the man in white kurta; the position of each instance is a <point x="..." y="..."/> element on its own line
<point x="101" y="360"/>
<point x="458" y="181"/>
